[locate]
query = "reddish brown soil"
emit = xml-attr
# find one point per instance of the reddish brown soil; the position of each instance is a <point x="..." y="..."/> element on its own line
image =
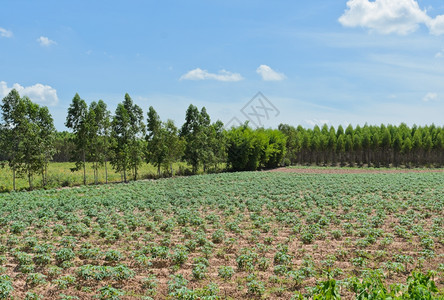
<point x="353" y="171"/>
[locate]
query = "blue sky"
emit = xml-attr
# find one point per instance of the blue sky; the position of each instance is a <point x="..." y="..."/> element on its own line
<point x="319" y="61"/>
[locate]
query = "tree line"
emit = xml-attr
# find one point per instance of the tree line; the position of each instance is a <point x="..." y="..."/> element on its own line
<point x="372" y="146"/>
<point x="123" y="141"/>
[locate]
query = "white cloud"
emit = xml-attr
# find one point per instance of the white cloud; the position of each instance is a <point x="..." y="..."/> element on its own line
<point x="39" y="93"/>
<point x="440" y="54"/>
<point x="436" y="25"/>
<point x="223" y="75"/>
<point x="268" y="74"/>
<point x="5" y="33"/>
<point x="45" y="42"/>
<point x="390" y="16"/>
<point x="430" y="97"/>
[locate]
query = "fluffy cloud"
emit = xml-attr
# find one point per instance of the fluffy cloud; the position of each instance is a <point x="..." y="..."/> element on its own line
<point x="436" y="25"/>
<point x="268" y="74"/>
<point x="45" y="42"/>
<point x="390" y="16"/>
<point x="39" y="93"/>
<point x="5" y="33"/>
<point x="430" y="97"/>
<point x="223" y="75"/>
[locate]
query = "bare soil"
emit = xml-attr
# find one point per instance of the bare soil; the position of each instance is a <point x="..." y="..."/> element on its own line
<point x="352" y="171"/>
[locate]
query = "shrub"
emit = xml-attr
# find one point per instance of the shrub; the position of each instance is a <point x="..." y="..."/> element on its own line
<point x="5" y="286"/>
<point x="34" y="279"/>
<point x="256" y="288"/>
<point x="226" y="272"/>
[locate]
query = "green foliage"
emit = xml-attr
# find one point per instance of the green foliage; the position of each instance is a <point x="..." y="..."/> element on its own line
<point x="420" y="286"/>
<point x="256" y="287"/>
<point x="368" y="145"/>
<point x="109" y="292"/>
<point x="127" y="128"/>
<point x="164" y="147"/>
<point x="5" y="286"/>
<point x="33" y="296"/>
<point x="199" y="271"/>
<point x="34" y="279"/>
<point x="327" y="290"/>
<point x="226" y="272"/>
<point x="65" y="254"/>
<point x="249" y="149"/>
<point x="76" y="120"/>
<point x="113" y="255"/>
<point x="65" y="281"/>
<point x="186" y="216"/>
<point x="204" y="143"/>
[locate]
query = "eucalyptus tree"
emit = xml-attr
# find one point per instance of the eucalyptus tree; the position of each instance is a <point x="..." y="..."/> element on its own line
<point x="191" y="132"/>
<point x="156" y="150"/>
<point x="164" y="147"/>
<point x="98" y="120"/>
<point x="175" y="145"/>
<point x="27" y="137"/>
<point x="47" y="138"/>
<point x="127" y="131"/>
<point x="77" y="121"/>
<point x="218" y="142"/>
<point x="11" y="137"/>
<point x="29" y="148"/>
<point x="293" y="143"/>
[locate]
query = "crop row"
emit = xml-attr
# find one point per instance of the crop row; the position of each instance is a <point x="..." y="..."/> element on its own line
<point x="235" y="235"/>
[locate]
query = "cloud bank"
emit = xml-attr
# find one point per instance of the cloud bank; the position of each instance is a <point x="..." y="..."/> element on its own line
<point x="39" y="93"/>
<point x="390" y="16"/>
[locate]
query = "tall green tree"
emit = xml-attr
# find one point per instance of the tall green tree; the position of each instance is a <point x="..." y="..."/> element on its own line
<point x="11" y="135"/>
<point x="47" y="138"/>
<point x="29" y="150"/>
<point x="175" y="145"/>
<point x="127" y="131"/>
<point x="164" y="147"/>
<point x="156" y="151"/>
<point x="77" y="121"/>
<point x="293" y="142"/>
<point x="27" y="136"/>
<point x="194" y="132"/>
<point x="218" y="143"/>
<point x="98" y="120"/>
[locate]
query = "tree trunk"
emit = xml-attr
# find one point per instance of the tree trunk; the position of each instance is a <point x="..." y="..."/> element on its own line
<point x="106" y="172"/>
<point x="84" y="168"/>
<point x="46" y="173"/>
<point x="30" y="180"/>
<point x="13" y="178"/>
<point x="96" y="173"/>
<point x="43" y="176"/>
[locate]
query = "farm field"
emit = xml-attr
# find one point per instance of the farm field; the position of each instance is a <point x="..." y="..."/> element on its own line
<point x="251" y="235"/>
<point x="60" y="175"/>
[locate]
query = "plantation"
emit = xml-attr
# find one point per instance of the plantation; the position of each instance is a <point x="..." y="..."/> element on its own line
<point x="60" y="175"/>
<point x="233" y="235"/>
